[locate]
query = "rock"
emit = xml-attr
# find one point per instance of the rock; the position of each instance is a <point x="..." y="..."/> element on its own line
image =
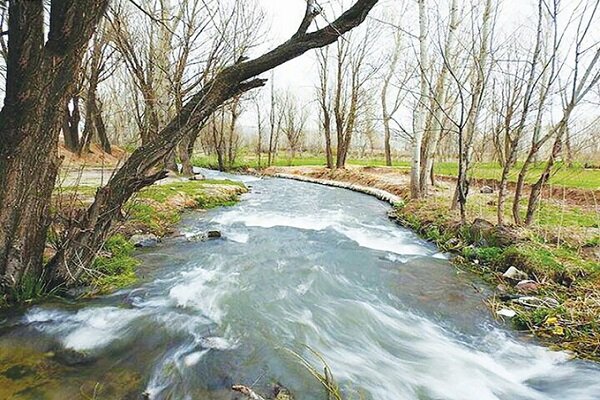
<point x="214" y="234"/>
<point x="73" y="358"/>
<point x="503" y="236"/>
<point x="515" y="274"/>
<point x="148" y="240"/>
<point x="526" y="286"/>
<point x="480" y="231"/>
<point x="506" y="312"/>
<point x="204" y="236"/>
<point x="501" y="288"/>
<point x="197" y="177"/>
<point x="536" y="302"/>
<point x="197" y="237"/>
<point x="486" y="190"/>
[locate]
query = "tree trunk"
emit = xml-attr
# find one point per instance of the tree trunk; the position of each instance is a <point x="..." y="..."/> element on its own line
<point x="516" y="208"/>
<point x="440" y="94"/>
<point x="536" y="189"/>
<point x="386" y="142"/>
<point x="101" y="129"/>
<point x="71" y="125"/>
<point x="503" y="189"/>
<point x="328" y="149"/>
<point x="419" y="114"/>
<point x="183" y="149"/>
<point x="39" y="78"/>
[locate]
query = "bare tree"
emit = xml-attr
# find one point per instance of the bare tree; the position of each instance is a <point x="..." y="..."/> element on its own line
<point x="513" y="133"/>
<point x="324" y="98"/>
<point x="389" y="110"/>
<point x="341" y="105"/>
<point x="42" y="67"/>
<point x="294" y="122"/>
<point x="439" y="97"/>
<point x="419" y="120"/>
<point x="583" y="79"/>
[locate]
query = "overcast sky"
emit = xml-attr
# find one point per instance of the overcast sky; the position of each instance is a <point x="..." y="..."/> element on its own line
<point x="300" y="75"/>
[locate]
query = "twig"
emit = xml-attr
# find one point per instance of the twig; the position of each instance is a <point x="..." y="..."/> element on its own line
<point x="246" y="391"/>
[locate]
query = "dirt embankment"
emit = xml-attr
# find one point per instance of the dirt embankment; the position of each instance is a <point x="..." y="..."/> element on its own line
<point x="95" y="158"/>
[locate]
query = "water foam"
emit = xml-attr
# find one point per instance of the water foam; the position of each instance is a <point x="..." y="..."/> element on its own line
<point x="87" y="329"/>
<point x="204" y="290"/>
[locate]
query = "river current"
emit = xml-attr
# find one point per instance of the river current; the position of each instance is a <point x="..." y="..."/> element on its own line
<point x="299" y="266"/>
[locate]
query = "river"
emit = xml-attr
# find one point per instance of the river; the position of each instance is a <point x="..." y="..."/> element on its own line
<point x="299" y="265"/>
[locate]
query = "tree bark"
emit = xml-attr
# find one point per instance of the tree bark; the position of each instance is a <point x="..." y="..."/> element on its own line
<point x="430" y="149"/>
<point x="536" y="189"/>
<point x="187" y="169"/>
<point x="40" y="76"/>
<point x="419" y="114"/>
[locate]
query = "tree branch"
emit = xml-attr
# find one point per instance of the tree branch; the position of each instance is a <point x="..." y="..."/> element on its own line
<point x="312" y="10"/>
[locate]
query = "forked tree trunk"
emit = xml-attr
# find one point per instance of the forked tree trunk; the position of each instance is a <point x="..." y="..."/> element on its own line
<point x="39" y="77"/>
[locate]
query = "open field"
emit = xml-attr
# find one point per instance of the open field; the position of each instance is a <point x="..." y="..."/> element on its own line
<point x="574" y="177"/>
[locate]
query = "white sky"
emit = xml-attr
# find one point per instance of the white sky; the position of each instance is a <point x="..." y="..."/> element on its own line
<point x="300" y="76"/>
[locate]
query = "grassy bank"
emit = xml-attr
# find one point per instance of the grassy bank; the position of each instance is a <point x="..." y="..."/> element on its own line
<point x="569" y="177"/>
<point x="155" y="210"/>
<point x="564" y="278"/>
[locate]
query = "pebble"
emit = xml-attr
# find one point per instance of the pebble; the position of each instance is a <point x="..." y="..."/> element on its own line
<point x="526" y="286"/>
<point x="515" y="274"/>
<point x="506" y="312"/>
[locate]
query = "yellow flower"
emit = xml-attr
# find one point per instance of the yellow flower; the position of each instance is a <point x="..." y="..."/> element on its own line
<point x="558" y="330"/>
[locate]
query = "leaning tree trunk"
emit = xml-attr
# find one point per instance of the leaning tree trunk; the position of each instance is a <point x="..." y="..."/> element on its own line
<point x="536" y="188"/>
<point x="40" y="75"/>
<point x="510" y="162"/>
<point x="516" y="208"/>
<point x="85" y="240"/>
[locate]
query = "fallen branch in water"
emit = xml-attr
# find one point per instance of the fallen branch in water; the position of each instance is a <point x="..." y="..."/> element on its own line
<point x="246" y="391"/>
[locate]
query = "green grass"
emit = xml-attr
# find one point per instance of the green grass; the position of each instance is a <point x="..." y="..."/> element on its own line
<point x="162" y="193"/>
<point x="30" y="289"/>
<point x="83" y="190"/>
<point x="574" y="177"/>
<point x="550" y="214"/>
<point x="117" y="270"/>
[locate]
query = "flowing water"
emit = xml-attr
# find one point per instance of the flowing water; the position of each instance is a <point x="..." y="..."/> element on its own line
<point x="299" y="265"/>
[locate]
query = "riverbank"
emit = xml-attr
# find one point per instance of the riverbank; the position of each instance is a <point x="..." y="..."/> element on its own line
<point x="148" y="218"/>
<point x="553" y="289"/>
